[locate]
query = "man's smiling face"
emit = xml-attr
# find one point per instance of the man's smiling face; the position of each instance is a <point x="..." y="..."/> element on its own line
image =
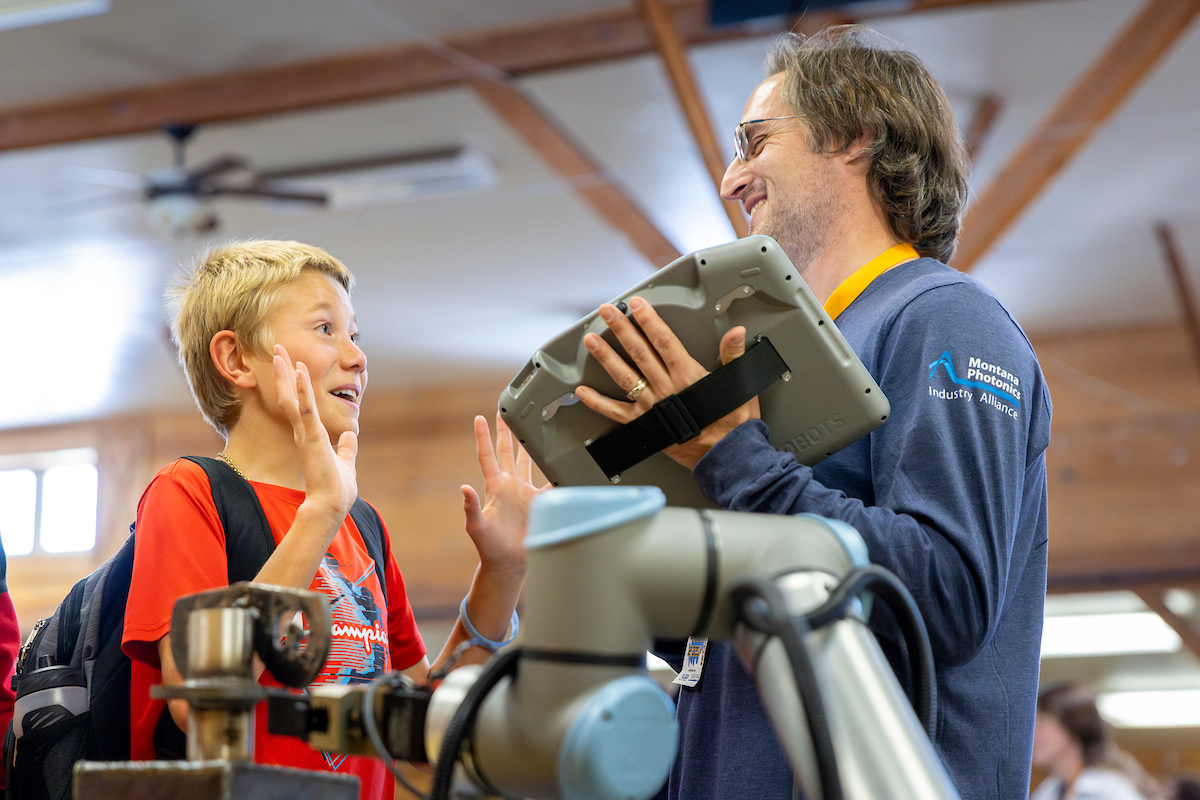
<point x="791" y="192"/>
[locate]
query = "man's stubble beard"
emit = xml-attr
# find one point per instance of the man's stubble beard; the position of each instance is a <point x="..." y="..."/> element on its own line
<point x="801" y="226"/>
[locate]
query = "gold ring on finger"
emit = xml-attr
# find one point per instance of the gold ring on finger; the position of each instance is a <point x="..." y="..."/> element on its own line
<point x="637" y="390"/>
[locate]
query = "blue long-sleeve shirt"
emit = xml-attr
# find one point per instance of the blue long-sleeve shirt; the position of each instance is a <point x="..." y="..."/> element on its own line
<point x="950" y="494"/>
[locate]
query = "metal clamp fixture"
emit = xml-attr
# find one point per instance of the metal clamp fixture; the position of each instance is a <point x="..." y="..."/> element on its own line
<point x="215" y="636"/>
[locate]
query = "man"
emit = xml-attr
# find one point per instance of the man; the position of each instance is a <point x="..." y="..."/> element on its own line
<point x="848" y="155"/>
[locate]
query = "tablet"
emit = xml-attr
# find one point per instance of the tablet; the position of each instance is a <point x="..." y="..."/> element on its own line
<point x="825" y="399"/>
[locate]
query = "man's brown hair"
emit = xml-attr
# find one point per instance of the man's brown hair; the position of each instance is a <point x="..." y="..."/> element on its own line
<point x="849" y="82"/>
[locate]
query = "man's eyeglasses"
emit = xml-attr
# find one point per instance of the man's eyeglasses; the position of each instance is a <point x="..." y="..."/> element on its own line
<point x="741" y="141"/>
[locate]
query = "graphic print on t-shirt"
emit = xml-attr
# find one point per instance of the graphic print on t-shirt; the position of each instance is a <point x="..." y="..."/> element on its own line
<point x="359" y="642"/>
<point x="997" y="386"/>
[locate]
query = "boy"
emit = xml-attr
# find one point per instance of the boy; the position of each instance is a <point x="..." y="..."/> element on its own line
<point x="268" y="340"/>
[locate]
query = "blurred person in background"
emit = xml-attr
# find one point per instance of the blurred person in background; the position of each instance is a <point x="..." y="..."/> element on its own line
<point x="1074" y="744"/>
<point x="10" y="644"/>
<point x="1184" y="787"/>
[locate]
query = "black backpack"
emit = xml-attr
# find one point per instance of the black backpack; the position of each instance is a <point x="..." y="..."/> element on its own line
<point x="73" y="680"/>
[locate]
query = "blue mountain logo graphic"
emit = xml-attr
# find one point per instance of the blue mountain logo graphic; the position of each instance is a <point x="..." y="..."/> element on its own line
<point x="945" y="361"/>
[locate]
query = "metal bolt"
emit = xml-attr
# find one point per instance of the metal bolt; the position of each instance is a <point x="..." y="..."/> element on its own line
<point x="586" y="442"/>
<point x="787" y="376"/>
<point x="616" y="479"/>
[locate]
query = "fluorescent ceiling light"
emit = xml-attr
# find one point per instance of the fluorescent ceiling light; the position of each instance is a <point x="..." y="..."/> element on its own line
<point x="23" y="13"/>
<point x="1177" y="708"/>
<point x="1107" y="634"/>
<point x="1092" y="603"/>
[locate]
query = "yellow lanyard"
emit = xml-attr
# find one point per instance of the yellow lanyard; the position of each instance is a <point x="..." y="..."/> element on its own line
<point x="849" y="290"/>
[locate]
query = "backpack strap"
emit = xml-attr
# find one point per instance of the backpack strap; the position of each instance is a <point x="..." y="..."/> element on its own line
<point x="70" y="622"/>
<point x="370" y="527"/>
<point x="248" y="538"/>
<point x="249" y="545"/>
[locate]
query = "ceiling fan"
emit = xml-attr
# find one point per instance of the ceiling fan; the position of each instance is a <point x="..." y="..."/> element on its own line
<point x="180" y="198"/>
<point x="178" y="195"/>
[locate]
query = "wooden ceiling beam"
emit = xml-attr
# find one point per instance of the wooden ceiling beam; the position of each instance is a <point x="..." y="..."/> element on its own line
<point x="1077" y="116"/>
<point x="674" y="55"/>
<point x="570" y="161"/>
<point x="1184" y="288"/>
<point x="987" y="111"/>
<point x="1187" y="632"/>
<point x="383" y="72"/>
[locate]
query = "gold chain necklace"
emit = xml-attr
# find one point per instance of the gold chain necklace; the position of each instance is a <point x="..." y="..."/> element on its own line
<point x="221" y="455"/>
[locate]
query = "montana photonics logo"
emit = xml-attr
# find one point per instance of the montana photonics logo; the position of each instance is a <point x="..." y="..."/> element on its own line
<point x="997" y="386"/>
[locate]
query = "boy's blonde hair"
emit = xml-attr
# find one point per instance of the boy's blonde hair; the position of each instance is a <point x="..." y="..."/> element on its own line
<point x="235" y="288"/>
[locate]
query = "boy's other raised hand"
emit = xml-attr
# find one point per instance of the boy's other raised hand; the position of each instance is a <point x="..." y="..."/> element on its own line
<point x="497" y="526"/>
<point x="329" y="476"/>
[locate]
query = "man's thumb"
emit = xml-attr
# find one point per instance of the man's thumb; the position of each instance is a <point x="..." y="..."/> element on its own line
<point x="733" y="344"/>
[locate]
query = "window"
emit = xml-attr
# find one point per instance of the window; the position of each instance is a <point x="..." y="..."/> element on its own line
<point x="48" y="502"/>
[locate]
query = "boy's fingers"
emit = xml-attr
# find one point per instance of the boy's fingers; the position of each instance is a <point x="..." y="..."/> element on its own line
<point x="504" y="446"/>
<point x="484" y="451"/>
<point x="471" y="509"/>
<point x="304" y="391"/>
<point x="347" y="448"/>
<point x="524" y="469"/>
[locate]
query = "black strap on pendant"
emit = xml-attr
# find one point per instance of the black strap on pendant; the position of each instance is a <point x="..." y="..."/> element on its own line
<point x="681" y="417"/>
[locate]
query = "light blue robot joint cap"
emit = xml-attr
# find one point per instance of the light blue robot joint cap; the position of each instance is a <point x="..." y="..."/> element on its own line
<point x="621" y="744"/>
<point x="850" y="538"/>
<point x="561" y="515"/>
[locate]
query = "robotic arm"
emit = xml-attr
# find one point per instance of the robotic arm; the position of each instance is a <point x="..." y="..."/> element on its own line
<point x="572" y="714"/>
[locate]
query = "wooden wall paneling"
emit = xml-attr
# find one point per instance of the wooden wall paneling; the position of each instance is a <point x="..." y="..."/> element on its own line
<point x="1124" y="457"/>
<point x="1109" y="376"/>
<point x="1098" y="92"/>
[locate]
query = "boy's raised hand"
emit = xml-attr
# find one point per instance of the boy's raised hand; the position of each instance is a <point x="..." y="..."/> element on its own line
<point x="329" y="476"/>
<point x="497" y="527"/>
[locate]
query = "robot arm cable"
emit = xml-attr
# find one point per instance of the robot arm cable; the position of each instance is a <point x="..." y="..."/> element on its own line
<point x="371" y="728"/>
<point x="497" y="668"/>
<point x="888" y="587"/>
<point x="761" y="606"/>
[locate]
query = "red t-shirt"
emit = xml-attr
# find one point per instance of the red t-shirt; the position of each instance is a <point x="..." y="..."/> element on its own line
<point x="180" y="550"/>
<point x="10" y="645"/>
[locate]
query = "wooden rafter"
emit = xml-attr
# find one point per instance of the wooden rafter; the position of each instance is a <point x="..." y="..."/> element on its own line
<point x="1187" y="632"/>
<point x="570" y="161"/>
<point x="1184" y="288"/>
<point x="986" y="113"/>
<point x="383" y="72"/>
<point x="1090" y="101"/>
<point x="674" y="55"/>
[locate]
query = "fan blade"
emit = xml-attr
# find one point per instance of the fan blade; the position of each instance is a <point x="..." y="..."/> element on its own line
<point x="217" y="166"/>
<point x="319" y="198"/>
<point x="101" y="176"/>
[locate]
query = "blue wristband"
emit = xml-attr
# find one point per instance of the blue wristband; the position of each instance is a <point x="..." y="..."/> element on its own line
<point x="479" y="639"/>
